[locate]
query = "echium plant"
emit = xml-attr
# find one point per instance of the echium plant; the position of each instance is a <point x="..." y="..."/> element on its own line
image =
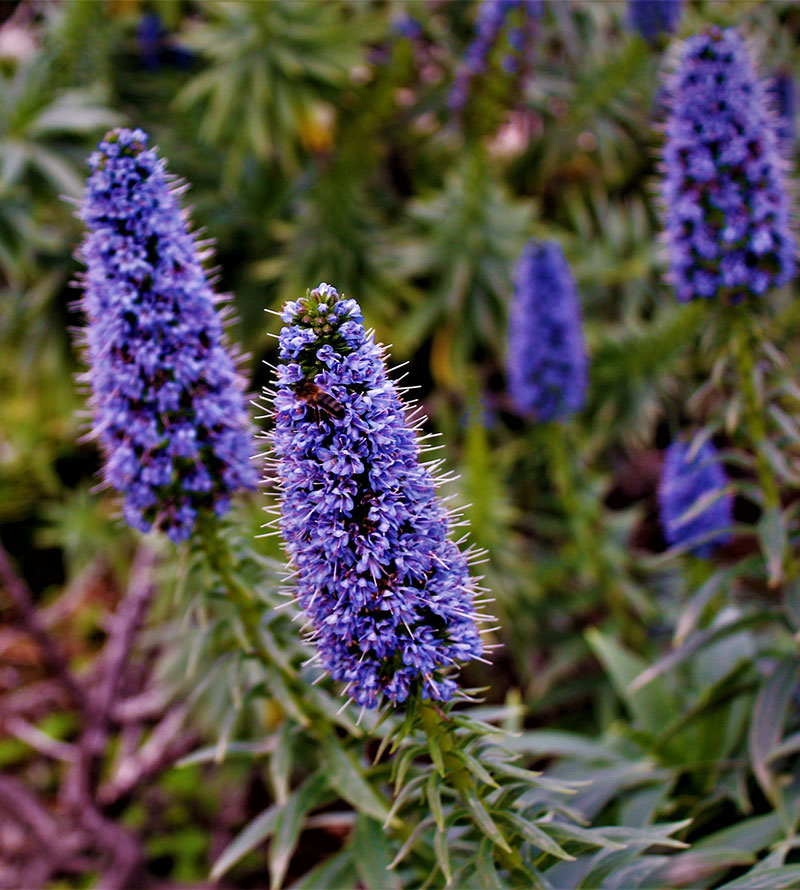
<point x="727" y="208"/>
<point x="547" y="362"/>
<point x="694" y="504"/>
<point x="388" y="594"/>
<point x="654" y="18"/>
<point x="168" y="404"/>
<point x="493" y="17"/>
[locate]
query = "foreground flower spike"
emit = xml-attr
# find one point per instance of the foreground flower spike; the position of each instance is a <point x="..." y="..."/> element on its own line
<point x="169" y="407"/>
<point x="694" y="478"/>
<point x="520" y="17"/>
<point x="727" y="208"/>
<point x="388" y="595"/>
<point x="652" y="18"/>
<point x="547" y="363"/>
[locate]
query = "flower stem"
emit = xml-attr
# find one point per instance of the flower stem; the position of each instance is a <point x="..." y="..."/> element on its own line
<point x="582" y="527"/>
<point x="439" y="731"/>
<point x="220" y="559"/>
<point x="744" y="344"/>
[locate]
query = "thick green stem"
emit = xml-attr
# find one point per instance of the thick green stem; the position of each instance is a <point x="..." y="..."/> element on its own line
<point x="744" y="344"/>
<point x="220" y="560"/>
<point x="584" y="530"/>
<point x="439" y="730"/>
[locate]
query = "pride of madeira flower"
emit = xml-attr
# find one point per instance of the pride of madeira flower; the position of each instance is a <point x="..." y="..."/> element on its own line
<point x="694" y="505"/>
<point x="168" y="404"/>
<point x="547" y="362"/>
<point x="519" y="18"/>
<point x="388" y="595"/>
<point x="727" y="208"/>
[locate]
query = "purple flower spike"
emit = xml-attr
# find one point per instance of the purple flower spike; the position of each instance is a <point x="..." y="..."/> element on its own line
<point x="727" y="222"/>
<point x="547" y="363"/>
<point x="169" y="407"/>
<point x="492" y="18"/>
<point x="388" y="595"/>
<point x="685" y="481"/>
<point x="652" y="18"/>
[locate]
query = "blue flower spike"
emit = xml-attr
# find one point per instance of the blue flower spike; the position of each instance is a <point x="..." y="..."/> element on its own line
<point x="727" y="223"/>
<point x="168" y="404"/>
<point x="388" y="595"/>
<point x="690" y="476"/>
<point x="547" y="362"/>
<point x="493" y="16"/>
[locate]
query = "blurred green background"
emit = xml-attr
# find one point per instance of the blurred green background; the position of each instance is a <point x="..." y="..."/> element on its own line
<point x="318" y="144"/>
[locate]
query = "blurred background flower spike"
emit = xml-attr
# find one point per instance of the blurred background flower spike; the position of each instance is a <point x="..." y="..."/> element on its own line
<point x="168" y="403"/>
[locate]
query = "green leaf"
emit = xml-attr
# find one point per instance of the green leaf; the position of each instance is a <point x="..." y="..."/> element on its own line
<point x="790" y="745"/>
<point x="66" y="115"/>
<point x="484" y="821"/>
<point x="332" y="874"/>
<point x="697" y="603"/>
<point x="751" y="835"/>
<point x="289" y="824"/>
<point x="281" y="693"/>
<point x="766" y="725"/>
<point x="652" y="708"/>
<point x="371" y="855"/>
<point x="772" y="534"/>
<point x="435" y="750"/>
<point x="411" y="840"/>
<point x="787" y="876"/>
<point x="62" y="175"/>
<point x="255" y="833"/>
<point x="485" y="870"/>
<point x="348" y="780"/>
<point x="403" y="763"/>
<point x="233" y="749"/>
<point x="698" y="866"/>
<point x="442" y="854"/>
<point x="280" y="763"/>
<point x="536" y="835"/>
<point x="561" y="744"/>
<point x="698" y="641"/>
<point x="591" y="836"/>
<point x="659" y="833"/>
<point x="404" y="794"/>
<point x="434" y="795"/>
<point x="476" y="768"/>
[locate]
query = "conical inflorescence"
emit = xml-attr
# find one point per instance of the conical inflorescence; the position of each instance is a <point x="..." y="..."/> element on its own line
<point x="694" y="504"/>
<point x="168" y="404"/>
<point x="518" y="18"/>
<point x="727" y="223"/>
<point x="389" y="596"/>
<point x="547" y="362"/>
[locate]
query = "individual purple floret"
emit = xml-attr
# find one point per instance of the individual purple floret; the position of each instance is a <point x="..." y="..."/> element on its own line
<point x="547" y="363"/>
<point x="781" y="93"/>
<point x="652" y="18"/>
<point x="169" y="407"/>
<point x="388" y="594"/>
<point x="492" y="18"/>
<point x="727" y="222"/>
<point x="690" y="477"/>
